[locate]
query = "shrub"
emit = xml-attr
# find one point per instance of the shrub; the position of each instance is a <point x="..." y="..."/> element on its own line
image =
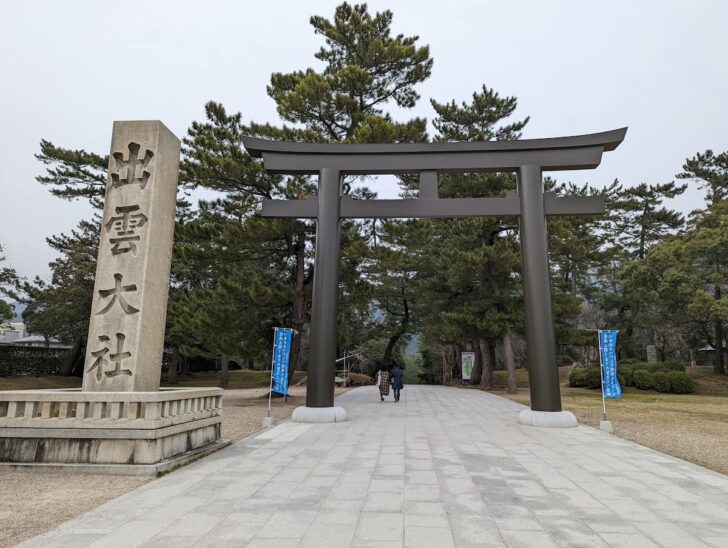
<point x="661" y="381"/>
<point x="673" y="366"/>
<point x="577" y="378"/>
<point x="628" y="361"/>
<point x="30" y="360"/>
<point x="666" y="366"/>
<point x="625" y="375"/>
<point x="593" y="377"/>
<point x="681" y="382"/>
<point x="643" y="379"/>
<point x="622" y="381"/>
<point x="640" y="365"/>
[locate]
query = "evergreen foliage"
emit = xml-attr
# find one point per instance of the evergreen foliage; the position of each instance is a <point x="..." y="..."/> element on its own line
<point x="453" y="284"/>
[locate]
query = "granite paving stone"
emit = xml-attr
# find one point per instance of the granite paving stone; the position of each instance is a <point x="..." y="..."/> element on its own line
<point x="443" y="467"/>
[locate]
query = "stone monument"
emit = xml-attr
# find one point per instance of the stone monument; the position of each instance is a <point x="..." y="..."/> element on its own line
<point x="121" y="421"/>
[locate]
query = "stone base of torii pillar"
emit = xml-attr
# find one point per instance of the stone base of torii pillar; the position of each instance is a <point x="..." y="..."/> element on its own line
<point x="318" y="414"/>
<point x="547" y="419"/>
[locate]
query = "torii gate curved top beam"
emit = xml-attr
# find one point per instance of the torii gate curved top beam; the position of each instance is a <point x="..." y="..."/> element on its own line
<point x="553" y="154"/>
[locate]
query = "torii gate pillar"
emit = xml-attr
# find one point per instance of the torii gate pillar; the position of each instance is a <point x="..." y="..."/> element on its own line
<point x="540" y="336"/>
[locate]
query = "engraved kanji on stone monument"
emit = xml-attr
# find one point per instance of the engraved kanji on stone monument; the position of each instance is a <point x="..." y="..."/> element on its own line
<point x="125" y="229"/>
<point x="131" y="167"/>
<point x="126" y="331"/>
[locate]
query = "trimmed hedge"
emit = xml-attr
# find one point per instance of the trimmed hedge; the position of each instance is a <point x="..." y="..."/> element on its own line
<point x="660" y="381"/>
<point x="625" y="374"/>
<point x="670" y="366"/>
<point x="659" y="366"/>
<point x="30" y="360"/>
<point x="681" y="382"/>
<point x="577" y="378"/>
<point x="621" y="380"/>
<point x="643" y="379"/>
<point x="639" y="375"/>
<point x="591" y="377"/>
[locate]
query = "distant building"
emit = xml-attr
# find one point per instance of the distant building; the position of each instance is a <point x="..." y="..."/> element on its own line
<point x="16" y="334"/>
<point x="38" y="340"/>
<point x="10" y="332"/>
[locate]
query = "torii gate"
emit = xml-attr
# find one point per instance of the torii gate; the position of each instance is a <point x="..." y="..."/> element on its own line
<point x="528" y="158"/>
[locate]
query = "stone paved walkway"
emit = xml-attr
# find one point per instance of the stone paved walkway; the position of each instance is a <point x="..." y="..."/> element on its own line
<point x="444" y="467"/>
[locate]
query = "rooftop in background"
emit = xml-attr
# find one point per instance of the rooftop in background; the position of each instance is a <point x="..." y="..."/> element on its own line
<point x="31" y="340"/>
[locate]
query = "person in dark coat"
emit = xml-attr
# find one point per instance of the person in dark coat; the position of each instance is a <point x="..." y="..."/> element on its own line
<point x="397" y="380"/>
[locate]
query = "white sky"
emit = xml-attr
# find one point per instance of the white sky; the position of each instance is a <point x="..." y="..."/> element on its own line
<point x="68" y="69"/>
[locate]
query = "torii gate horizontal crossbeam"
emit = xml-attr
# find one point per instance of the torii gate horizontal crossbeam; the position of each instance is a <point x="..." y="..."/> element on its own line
<point x="436" y="208"/>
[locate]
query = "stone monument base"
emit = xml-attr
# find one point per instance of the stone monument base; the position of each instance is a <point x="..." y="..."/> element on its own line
<point x="319" y="414"/>
<point x="134" y="433"/>
<point x="547" y="419"/>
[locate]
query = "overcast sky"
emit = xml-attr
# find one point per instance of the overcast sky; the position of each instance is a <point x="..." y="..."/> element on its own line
<point x="69" y="69"/>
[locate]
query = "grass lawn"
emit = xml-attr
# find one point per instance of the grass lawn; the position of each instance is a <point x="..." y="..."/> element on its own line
<point x="693" y="427"/>
<point x="238" y="379"/>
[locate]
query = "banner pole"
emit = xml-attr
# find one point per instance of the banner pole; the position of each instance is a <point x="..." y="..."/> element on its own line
<point x="601" y="372"/>
<point x="272" y="367"/>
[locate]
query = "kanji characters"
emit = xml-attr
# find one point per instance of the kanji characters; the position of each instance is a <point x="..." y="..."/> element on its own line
<point x="116" y="296"/>
<point x="116" y="358"/>
<point x="124" y="226"/>
<point x="134" y="169"/>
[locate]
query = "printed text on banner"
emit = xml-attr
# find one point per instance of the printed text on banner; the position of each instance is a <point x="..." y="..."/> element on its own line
<point x="608" y="345"/>
<point x="281" y="353"/>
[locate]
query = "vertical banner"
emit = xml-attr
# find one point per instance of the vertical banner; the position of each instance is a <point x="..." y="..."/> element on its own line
<point x="608" y="355"/>
<point x="281" y="354"/>
<point x="468" y="362"/>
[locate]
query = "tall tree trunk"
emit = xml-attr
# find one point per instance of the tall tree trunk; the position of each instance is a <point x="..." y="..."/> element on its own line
<point x="443" y="353"/>
<point x="173" y="367"/>
<point x="298" y="312"/>
<point x="488" y="355"/>
<point x="401" y="331"/>
<point x="389" y="350"/>
<point x="185" y="369"/>
<point x="718" y="367"/>
<point x="510" y="362"/>
<point x="66" y="369"/>
<point x="478" y="367"/>
<point x="224" y="372"/>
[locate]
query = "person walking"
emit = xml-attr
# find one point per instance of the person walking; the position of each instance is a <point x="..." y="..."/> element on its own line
<point x="397" y="380"/>
<point x="383" y="381"/>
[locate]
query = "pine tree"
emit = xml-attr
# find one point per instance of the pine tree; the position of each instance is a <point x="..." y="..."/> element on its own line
<point x="642" y="220"/>
<point x="8" y="280"/>
<point x="469" y="273"/>
<point x="711" y="172"/>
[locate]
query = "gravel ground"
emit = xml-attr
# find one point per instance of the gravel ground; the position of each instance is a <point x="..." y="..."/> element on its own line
<point x="32" y="503"/>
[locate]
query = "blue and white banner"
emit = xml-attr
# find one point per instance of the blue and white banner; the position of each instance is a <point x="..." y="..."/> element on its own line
<point x="281" y="354"/>
<point x="608" y="350"/>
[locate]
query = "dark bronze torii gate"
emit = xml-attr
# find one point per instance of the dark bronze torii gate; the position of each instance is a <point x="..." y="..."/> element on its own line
<point x="528" y="158"/>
